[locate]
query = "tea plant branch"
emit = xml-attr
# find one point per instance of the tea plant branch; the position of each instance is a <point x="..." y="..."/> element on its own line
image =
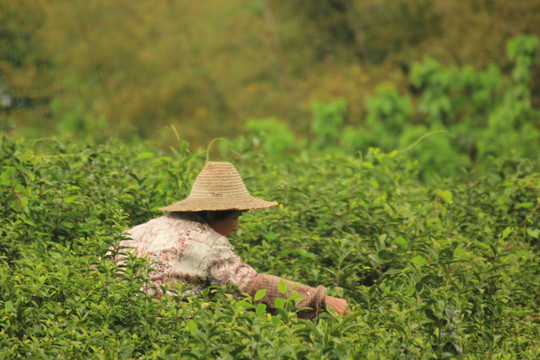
<point x="16" y="195"/>
<point x="176" y="133"/>
<point x="422" y="138"/>
<point x="47" y="138"/>
<point x="435" y="206"/>
<point x="529" y="318"/>
<point x="209" y="148"/>
<point x="516" y="247"/>
<point x="527" y="183"/>
<point x="514" y="233"/>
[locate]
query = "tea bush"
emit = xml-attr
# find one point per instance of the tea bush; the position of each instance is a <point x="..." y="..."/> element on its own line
<point x="431" y="269"/>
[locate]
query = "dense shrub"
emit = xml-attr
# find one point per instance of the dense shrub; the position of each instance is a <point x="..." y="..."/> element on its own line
<point x="457" y="122"/>
<point x="431" y="269"/>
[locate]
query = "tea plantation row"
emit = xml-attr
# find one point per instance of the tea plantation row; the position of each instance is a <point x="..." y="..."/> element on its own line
<point x="438" y="269"/>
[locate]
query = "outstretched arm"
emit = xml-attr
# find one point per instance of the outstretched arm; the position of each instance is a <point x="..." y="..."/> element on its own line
<point x="228" y="268"/>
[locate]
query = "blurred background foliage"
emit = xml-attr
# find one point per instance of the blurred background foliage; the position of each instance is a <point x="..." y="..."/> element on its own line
<point x="329" y="69"/>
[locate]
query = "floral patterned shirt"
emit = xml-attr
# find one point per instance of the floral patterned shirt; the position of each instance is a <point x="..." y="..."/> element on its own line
<point x="187" y="250"/>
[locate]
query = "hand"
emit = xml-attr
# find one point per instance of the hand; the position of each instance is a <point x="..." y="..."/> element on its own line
<point x="338" y="304"/>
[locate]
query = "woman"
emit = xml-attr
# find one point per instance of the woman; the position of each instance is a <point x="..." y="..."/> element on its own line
<point x="190" y="245"/>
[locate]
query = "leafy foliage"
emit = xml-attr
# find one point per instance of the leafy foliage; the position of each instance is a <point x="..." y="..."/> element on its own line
<point x="459" y="118"/>
<point x="413" y="190"/>
<point x="431" y="269"/>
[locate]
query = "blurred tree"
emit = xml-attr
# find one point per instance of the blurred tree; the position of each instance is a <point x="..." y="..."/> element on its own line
<point x="325" y="25"/>
<point x="25" y="84"/>
<point x="140" y="66"/>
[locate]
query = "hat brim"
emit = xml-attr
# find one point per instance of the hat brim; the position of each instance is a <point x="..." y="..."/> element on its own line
<point x="213" y="204"/>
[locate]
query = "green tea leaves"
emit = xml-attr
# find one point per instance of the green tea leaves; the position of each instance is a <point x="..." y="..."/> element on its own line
<point x="259" y="294"/>
<point x="430" y="269"/>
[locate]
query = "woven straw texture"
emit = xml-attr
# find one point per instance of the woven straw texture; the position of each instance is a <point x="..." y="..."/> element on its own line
<point x="219" y="187"/>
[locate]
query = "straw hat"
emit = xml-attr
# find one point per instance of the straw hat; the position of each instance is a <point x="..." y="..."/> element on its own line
<point x="219" y="187"/>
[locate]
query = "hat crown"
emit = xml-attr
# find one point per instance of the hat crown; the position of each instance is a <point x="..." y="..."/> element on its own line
<point x="218" y="179"/>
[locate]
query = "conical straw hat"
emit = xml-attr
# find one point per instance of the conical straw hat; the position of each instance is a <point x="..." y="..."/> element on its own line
<point x="219" y="187"/>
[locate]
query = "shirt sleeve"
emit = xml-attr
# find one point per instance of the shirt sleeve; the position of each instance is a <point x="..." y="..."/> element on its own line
<point x="313" y="298"/>
<point x="227" y="268"/>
